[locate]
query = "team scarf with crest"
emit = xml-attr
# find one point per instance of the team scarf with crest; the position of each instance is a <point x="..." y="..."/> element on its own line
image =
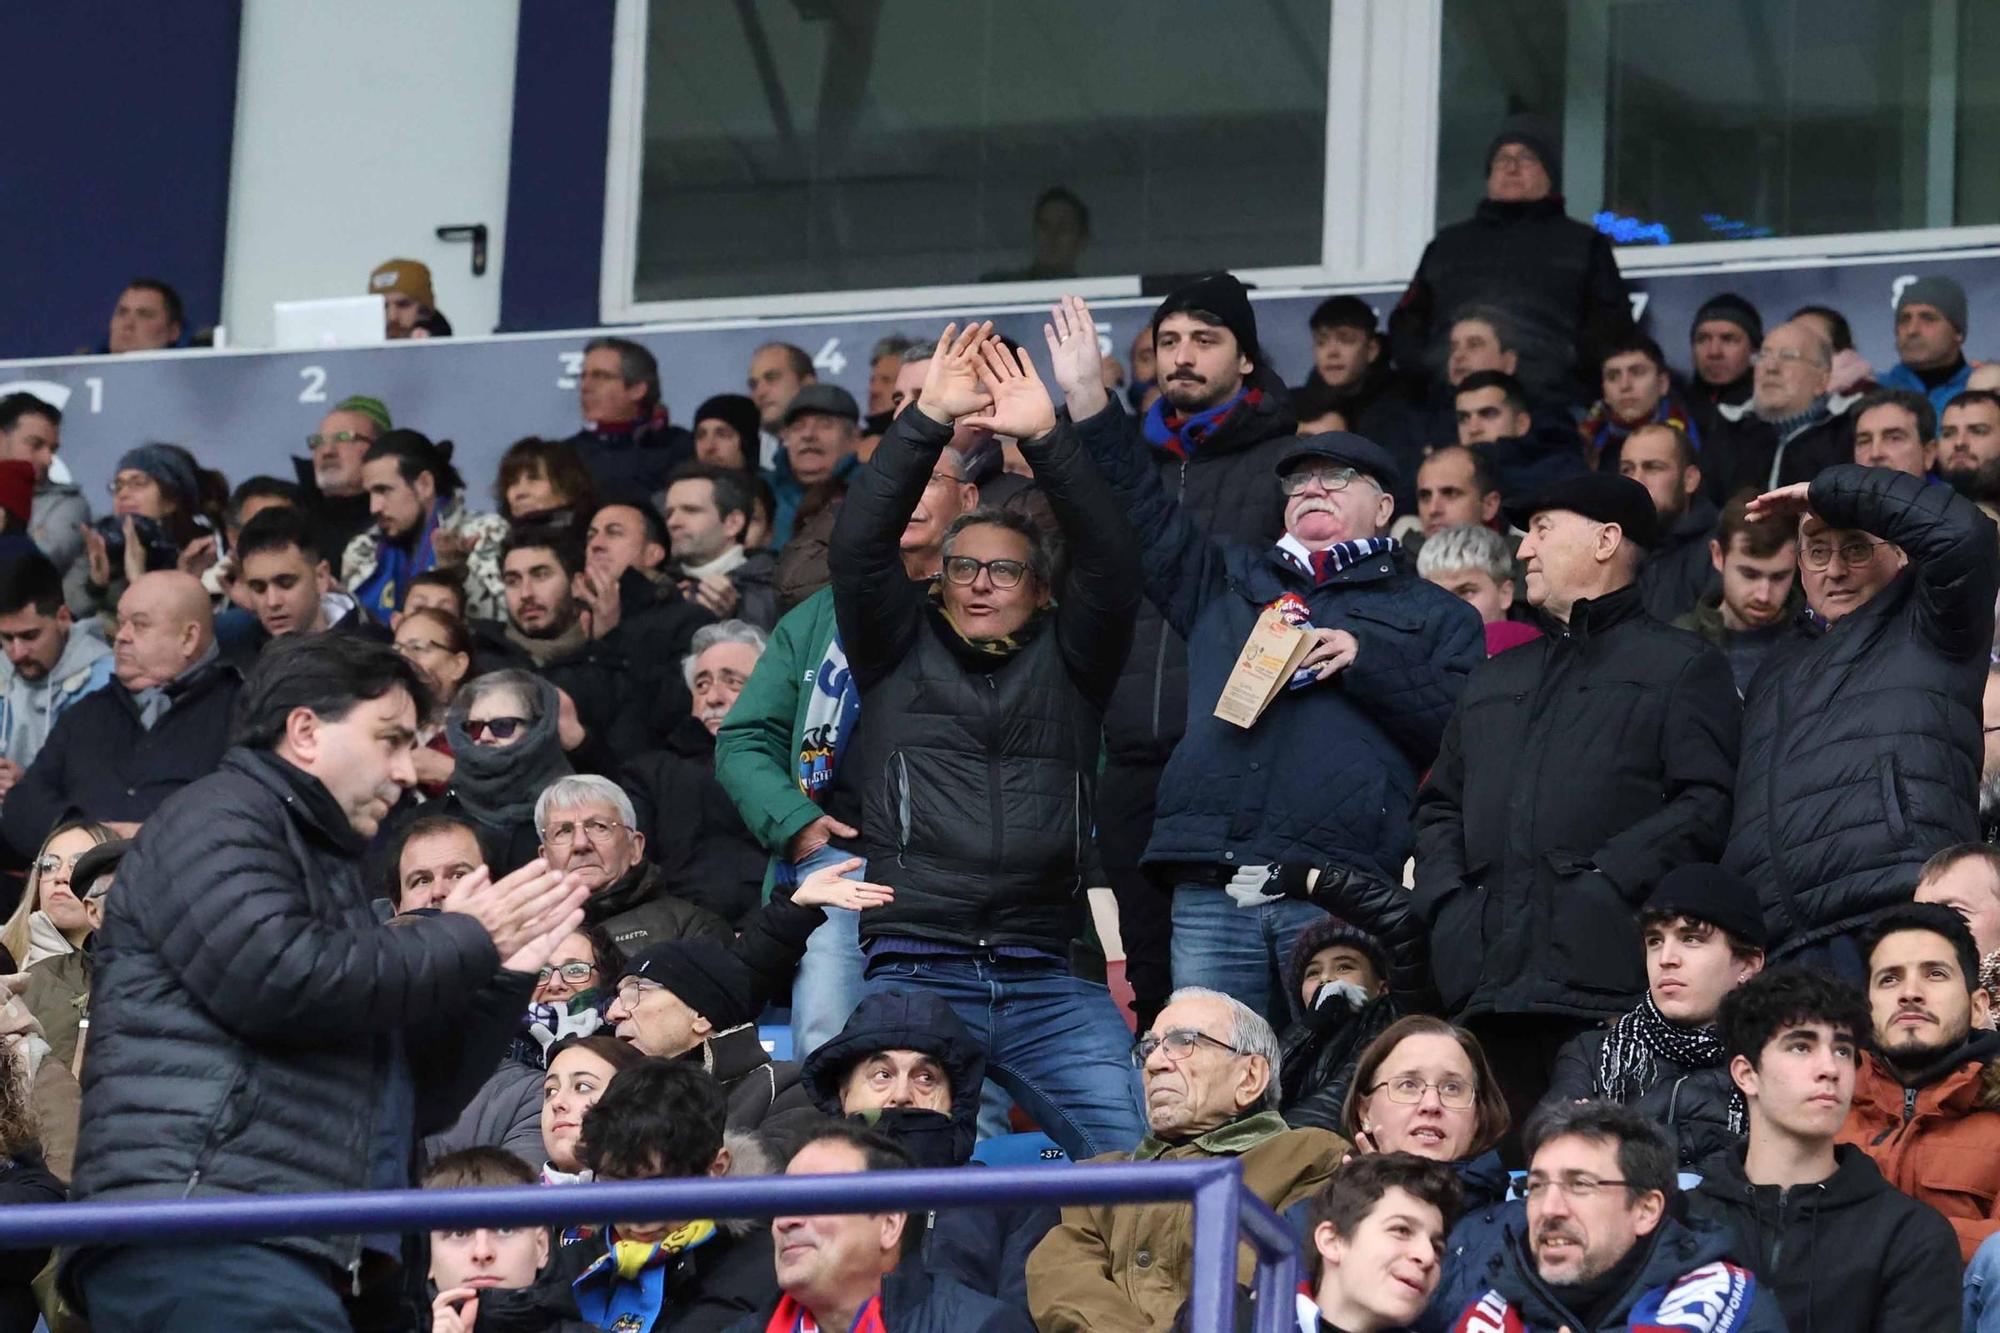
<point x="1715" y="1298"/>
<point x="791" y="1317"/>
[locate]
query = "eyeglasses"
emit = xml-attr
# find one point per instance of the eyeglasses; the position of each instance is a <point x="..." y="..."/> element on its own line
<point x="1329" y="478"/>
<point x="1516" y="160"/>
<point x="1572" y="1186"/>
<point x="574" y="973"/>
<point x="48" y="865"/>
<point x="1454" y="1094"/>
<point x="499" y="728"/>
<point x="963" y="569"/>
<point x="943" y="478"/>
<point x="1180" y="1044"/>
<point x="411" y="649"/>
<point x="338" y="437"/>
<point x="1818" y="555"/>
<point x="630" y="989"/>
<point x="1786" y="355"/>
<point x="597" y="830"/>
<point x="131" y="481"/>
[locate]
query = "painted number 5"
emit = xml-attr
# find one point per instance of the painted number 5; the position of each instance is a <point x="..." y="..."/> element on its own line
<point x="315" y="384"/>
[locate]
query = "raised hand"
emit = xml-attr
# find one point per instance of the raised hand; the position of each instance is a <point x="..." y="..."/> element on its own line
<point x="1021" y="406"/>
<point x="98" y="554"/>
<point x="196" y="556"/>
<point x="597" y="588"/>
<point x="951" y="377"/>
<point x="1787" y="502"/>
<point x="456" y="1310"/>
<point x="1075" y="357"/>
<point x="135" y="554"/>
<point x="825" y="887"/>
<point x="518" y="910"/>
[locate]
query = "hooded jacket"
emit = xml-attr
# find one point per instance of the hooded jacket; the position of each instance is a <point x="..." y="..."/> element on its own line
<point x="1848" y="1253"/>
<point x="59" y="510"/>
<point x="29" y="709"/>
<point x="1938" y="1142"/>
<point x="1861" y="749"/>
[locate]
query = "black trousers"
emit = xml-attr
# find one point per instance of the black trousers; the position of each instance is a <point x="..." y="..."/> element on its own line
<point x="1522" y="1050"/>
<point x="1126" y="798"/>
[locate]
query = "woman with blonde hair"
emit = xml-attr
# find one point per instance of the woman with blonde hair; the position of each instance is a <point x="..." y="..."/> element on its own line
<point x="45" y="936"/>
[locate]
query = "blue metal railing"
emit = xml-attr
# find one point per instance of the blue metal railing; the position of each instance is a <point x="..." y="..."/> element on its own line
<point x="1224" y="1214"/>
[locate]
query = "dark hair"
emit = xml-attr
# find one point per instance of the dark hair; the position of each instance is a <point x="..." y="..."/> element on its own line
<point x="1963" y="398"/>
<point x="801" y="364"/>
<point x="1837" y="325"/>
<point x="1649" y="917"/>
<point x="327" y="673"/>
<point x="478" y="1165"/>
<point x="1635" y="342"/>
<point x="260" y="488"/>
<point x="1785" y="997"/>
<point x="14" y="406"/>
<point x="557" y="460"/>
<point x="635" y="364"/>
<point x="1916" y="404"/>
<point x="1062" y="194"/>
<point x="416" y="454"/>
<point x="1937" y="865"/>
<point x="648" y="512"/>
<point x="544" y="536"/>
<point x="1348" y="1199"/>
<point x="1761" y="541"/>
<point x="1684" y="450"/>
<point x="1935" y="918"/>
<point x="1494" y="318"/>
<point x="30" y="579"/>
<point x="1491" y="1119"/>
<point x="732" y="488"/>
<point x="276" y="528"/>
<point x="1343" y="312"/>
<point x="1040" y="562"/>
<point x="387" y="868"/>
<point x="457" y="635"/>
<point x="762" y="494"/>
<point x="1644" y="1158"/>
<point x="878" y="1152"/>
<point x="176" y="309"/>
<point x="620" y="1055"/>
<point x="449" y="577"/>
<point x="658" y="1119"/>
<point x="1517" y="396"/>
<point x="1485" y="480"/>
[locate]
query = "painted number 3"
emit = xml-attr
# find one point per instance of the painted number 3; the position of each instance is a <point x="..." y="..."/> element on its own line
<point x="314" y="389"/>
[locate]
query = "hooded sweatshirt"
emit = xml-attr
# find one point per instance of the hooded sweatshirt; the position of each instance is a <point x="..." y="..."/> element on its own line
<point x="29" y="708"/>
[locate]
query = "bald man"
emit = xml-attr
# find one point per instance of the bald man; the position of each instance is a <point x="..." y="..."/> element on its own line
<point x="161" y="723"/>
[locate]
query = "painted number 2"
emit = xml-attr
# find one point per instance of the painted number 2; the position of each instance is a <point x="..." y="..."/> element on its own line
<point x="314" y="390"/>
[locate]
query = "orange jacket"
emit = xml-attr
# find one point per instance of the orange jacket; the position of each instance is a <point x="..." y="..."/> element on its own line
<point x="1939" y="1144"/>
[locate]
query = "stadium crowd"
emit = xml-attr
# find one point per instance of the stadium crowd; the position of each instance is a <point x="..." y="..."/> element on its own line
<point x="1547" y="782"/>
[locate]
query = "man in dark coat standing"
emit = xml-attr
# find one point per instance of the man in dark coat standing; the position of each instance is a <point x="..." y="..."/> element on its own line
<point x="255" y="1029"/>
<point x="1579" y="769"/>
<point x="1862" y="747"/>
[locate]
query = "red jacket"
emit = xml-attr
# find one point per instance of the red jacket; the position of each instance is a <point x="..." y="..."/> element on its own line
<point x="1940" y="1143"/>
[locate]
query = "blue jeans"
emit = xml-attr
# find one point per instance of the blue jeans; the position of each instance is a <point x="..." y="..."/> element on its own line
<point x="1982" y="1288"/>
<point x="1240" y="951"/>
<point x="207" y="1285"/>
<point x="829" y="981"/>
<point x="1053" y="1041"/>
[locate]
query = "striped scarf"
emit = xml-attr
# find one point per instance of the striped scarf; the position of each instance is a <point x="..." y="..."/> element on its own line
<point x="791" y="1317"/>
<point x="1626" y="1068"/>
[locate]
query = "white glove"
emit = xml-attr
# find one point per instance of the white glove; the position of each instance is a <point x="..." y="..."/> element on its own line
<point x="1251" y="885"/>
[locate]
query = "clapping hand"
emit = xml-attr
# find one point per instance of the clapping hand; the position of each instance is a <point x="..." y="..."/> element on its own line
<point x="527" y="913"/>
<point x="1020" y="406"/>
<point x="951" y="377"/>
<point x="1075" y="357"/>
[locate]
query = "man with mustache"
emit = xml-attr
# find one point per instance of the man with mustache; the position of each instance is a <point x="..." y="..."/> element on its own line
<point x="1603" y="1250"/>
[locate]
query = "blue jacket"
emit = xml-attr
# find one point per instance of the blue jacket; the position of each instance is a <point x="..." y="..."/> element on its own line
<point x="1328" y="775"/>
<point x="1901" y="376"/>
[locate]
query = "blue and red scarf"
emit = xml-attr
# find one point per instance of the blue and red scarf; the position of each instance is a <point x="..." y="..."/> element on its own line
<point x="791" y="1317"/>
<point x="1180" y="435"/>
<point x="1714" y="1298"/>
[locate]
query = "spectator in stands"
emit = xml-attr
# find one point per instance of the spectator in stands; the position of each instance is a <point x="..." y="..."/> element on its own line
<point x="417" y="500"/>
<point x="821" y="426"/>
<point x="1472" y="564"/>
<point x="285" y="580"/>
<point x="1377" y="1232"/>
<point x="31" y="432"/>
<point x="1481" y="338"/>
<point x="1211" y="1091"/>
<point x="727" y="432"/>
<point x="588" y="830"/>
<point x="1930" y="340"/>
<point x="1925" y="1105"/>
<point x="777" y="372"/>
<point x="1851" y="378"/>
<point x="708" y="511"/>
<point x="905" y="1066"/>
<point x="330" y="476"/>
<point x="627" y="444"/>
<point x="432" y="853"/>
<point x="1966" y="878"/>
<point x="149" y="315"/>
<point x="1602" y="1248"/>
<point x="156" y="515"/>
<point x="989" y="862"/>
<point x="858" y="1270"/>
<point x="1526" y="453"/>
<point x="1969" y="445"/>
<point x="1725" y="334"/>
<point x="25" y="1178"/>
<point x="120" y="751"/>
<point x="250" y="498"/>
<point x="440" y="590"/>
<point x="579" y="1070"/>
<point x="1793" y="1037"/>
<point x="572" y="992"/>
<point x="1351" y="363"/>
<point x="1839" y="734"/>
<point x="1556" y="804"/>
<point x="485" y="1276"/>
<point x="624" y="535"/>
<point x="192" y="963"/>
<point x="705" y="851"/>
<point x="1455" y="488"/>
<point x="48" y="935"/>
<point x="441" y="646"/>
<point x="664" y="1119"/>
<point x="51" y="661"/>
<point x="1790" y="432"/>
<point x="1704" y="937"/>
<point x="543" y="483"/>
<point x="409" y="306"/>
<point x="1340" y="973"/>
<point x="1895" y="428"/>
<point x="506" y="731"/>
<point x="1754" y="603"/>
<point x="1636" y="393"/>
<point x="885" y="363"/>
<point x="1677" y="571"/>
<point x="1555" y="277"/>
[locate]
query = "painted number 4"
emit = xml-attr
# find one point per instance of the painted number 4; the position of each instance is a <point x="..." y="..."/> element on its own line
<point x="829" y="359"/>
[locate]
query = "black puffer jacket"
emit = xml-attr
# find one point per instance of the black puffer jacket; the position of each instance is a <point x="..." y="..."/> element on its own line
<point x="1749" y="452"/>
<point x="694" y="832"/>
<point x="1861" y="749"/>
<point x="1555" y="276"/>
<point x="1679" y="569"/>
<point x="1691" y="1104"/>
<point x="247" y="1003"/>
<point x="627" y="686"/>
<point x="979" y="768"/>
<point x="638" y="911"/>
<point x="1579" y="769"/>
<point x="1228" y="490"/>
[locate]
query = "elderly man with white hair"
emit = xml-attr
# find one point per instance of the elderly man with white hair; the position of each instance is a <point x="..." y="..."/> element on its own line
<point x="695" y="834"/>
<point x="590" y="830"/>
<point x="1210" y="1065"/>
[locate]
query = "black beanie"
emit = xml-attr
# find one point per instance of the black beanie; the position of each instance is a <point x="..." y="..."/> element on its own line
<point x="1734" y="309"/>
<point x="707" y="978"/>
<point x="740" y="415"/>
<point x="1712" y="894"/>
<point x="1220" y="295"/>
<point x="1538" y="136"/>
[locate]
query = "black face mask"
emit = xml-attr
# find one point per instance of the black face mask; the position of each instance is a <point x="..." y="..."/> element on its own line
<point x="931" y="1138"/>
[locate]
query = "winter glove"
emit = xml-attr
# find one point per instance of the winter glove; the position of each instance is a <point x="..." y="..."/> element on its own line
<point x="1254" y="886"/>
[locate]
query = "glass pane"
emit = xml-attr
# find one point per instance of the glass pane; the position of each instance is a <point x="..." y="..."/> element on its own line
<point x="1733" y="119"/>
<point x="802" y="146"/>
